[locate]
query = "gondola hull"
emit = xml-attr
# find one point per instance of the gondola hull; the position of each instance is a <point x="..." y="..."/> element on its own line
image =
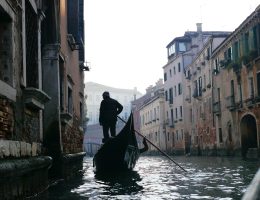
<point x="119" y="153"/>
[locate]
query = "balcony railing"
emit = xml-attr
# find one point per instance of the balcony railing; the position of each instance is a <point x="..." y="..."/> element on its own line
<point x="250" y="101"/>
<point x="216" y="108"/>
<point x="230" y="102"/>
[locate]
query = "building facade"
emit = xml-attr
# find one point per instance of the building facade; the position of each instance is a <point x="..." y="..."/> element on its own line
<point x="181" y="53"/>
<point x="63" y="76"/>
<point x="152" y="117"/>
<point x="41" y="92"/>
<point x="199" y="129"/>
<point x="236" y="87"/>
<point x="22" y="100"/>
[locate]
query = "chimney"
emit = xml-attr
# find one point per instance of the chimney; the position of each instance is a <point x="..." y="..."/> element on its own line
<point x="199" y="27"/>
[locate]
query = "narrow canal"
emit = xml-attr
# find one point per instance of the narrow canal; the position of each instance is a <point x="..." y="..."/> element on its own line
<point x="155" y="177"/>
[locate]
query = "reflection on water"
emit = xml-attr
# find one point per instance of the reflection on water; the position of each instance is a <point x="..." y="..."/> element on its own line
<point x="120" y="183"/>
<point x="159" y="178"/>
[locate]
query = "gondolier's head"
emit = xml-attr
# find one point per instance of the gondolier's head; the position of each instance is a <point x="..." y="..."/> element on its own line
<point x="105" y="94"/>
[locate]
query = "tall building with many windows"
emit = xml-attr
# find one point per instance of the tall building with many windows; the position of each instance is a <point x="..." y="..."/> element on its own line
<point x="152" y="116"/>
<point x="236" y="90"/>
<point x="181" y="52"/>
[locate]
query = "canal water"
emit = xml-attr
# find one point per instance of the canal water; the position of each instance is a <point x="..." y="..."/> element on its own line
<point x="156" y="177"/>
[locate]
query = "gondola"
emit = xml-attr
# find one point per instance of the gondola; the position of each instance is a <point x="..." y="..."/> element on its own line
<point x="119" y="153"/>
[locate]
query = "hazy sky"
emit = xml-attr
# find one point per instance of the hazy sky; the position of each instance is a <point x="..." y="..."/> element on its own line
<point x="126" y="39"/>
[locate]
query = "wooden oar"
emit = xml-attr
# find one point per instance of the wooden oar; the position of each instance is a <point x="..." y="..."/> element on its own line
<point x="165" y="154"/>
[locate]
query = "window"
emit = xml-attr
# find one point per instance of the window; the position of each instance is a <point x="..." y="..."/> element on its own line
<point x="195" y="90"/>
<point x="246" y="44"/>
<point x="200" y="86"/>
<point x="208" y="53"/>
<point x="165" y="76"/>
<point x="176" y="113"/>
<point x="61" y="77"/>
<point x="251" y="87"/>
<point x="255" y="33"/>
<point x="191" y="118"/>
<point x="31" y="22"/>
<point x="216" y="67"/>
<point x="179" y="67"/>
<point x="166" y="95"/>
<point x="258" y="83"/>
<point x="171" y="50"/>
<point x="179" y="89"/>
<point x="220" y="135"/>
<point x="172" y="117"/>
<point x="174" y="71"/>
<point x="175" y="91"/>
<point x="81" y="111"/>
<point x="170" y="73"/>
<point x="70" y="103"/>
<point x="235" y="51"/>
<point x="6" y="69"/>
<point x="189" y="92"/>
<point x="228" y="54"/>
<point x="180" y="111"/>
<point x="229" y="133"/>
<point x="171" y="95"/>
<point x="204" y="81"/>
<point x="182" y="47"/>
<point x="73" y="19"/>
<point x="158" y="112"/>
<point x="177" y="135"/>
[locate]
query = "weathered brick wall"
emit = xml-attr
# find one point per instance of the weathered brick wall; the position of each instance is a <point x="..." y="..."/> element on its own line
<point x="31" y="126"/>
<point x="72" y="137"/>
<point x="6" y="118"/>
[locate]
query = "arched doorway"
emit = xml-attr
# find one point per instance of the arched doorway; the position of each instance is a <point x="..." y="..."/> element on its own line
<point x="248" y="133"/>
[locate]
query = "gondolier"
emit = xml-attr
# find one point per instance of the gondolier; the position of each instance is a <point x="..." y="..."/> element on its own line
<point x="119" y="153"/>
<point x="109" y="109"/>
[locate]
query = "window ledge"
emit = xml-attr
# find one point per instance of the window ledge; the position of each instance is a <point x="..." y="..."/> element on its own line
<point x="7" y="91"/>
<point x="65" y="117"/>
<point x="35" y="98"/>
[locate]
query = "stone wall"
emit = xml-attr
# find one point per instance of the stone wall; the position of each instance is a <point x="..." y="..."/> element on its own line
<point x="32" y="126"/>
<point x="24" y="178"/>
<point x="6" y="118"/>
<point x="72" y="137"/>
<point x="17" y="149"/>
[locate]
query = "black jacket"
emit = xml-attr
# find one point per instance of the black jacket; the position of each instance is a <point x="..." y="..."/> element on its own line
<point x="109" y="109"/>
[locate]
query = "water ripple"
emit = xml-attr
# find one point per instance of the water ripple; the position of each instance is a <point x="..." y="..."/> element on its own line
<point x="158" y="178"/>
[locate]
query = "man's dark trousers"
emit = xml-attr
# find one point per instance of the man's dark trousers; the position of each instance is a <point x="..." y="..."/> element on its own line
<point x="106" y="128"/>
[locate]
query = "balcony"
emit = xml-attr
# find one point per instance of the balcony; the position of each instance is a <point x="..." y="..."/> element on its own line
<point x="166" y="122"/>
<point x="171" y="125"/>
<point x="230" y="103"/>
<point x="197" y="94"/>
<point x="216" y="108"/>
<point x="250" y="101"/>
<point x="202" y="116"/>
<point x="188" y="77"/>
<point x="187" y="98"/>
<point x="72" y="42"/>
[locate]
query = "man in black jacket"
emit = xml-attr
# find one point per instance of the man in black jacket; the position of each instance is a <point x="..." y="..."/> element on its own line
<point x="109" y="109"/>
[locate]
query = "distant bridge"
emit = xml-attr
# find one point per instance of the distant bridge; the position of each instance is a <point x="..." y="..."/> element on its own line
<point x="91" y="148"/>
